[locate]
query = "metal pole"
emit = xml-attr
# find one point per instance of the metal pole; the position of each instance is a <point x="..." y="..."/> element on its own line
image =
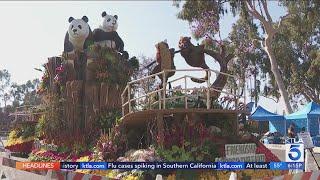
<point x="129" y="97"/>
<point x="164" y="88"/>
<point x="208" y="89"/>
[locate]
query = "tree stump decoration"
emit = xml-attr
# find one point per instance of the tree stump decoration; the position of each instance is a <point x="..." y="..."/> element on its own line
<point x="87" y="85"/>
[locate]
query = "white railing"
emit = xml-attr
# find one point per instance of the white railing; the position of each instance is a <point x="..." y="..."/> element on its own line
<point x="25" y="113"/>
<point x="131" y="93"/>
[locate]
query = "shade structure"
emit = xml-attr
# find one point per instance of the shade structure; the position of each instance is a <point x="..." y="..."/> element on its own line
<point x="311" y="110"/>
<point x="261" y="114"/>
<point x="308" y="117"/>
<point x="276" y="121"/>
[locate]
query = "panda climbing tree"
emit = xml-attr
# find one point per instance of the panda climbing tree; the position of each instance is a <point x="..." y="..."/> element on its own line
<point x="76" y="42"/>
<point x="106" y="35"/>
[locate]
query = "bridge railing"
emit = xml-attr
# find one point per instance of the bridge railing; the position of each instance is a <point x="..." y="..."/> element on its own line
<point x="140" y="90"/>
<point x="25" y="113"/>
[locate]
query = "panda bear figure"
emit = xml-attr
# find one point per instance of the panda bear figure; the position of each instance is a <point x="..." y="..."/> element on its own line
<point x="78" y="35"/>
<point x="106" y="35"/>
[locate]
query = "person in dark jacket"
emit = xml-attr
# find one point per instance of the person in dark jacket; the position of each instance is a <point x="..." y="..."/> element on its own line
<point x="291" y="132"/>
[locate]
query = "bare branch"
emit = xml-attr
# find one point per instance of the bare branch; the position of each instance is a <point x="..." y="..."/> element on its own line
<point x="252" y="10"/>
<point x="265" y="7"/>
<point x="310" y="91"/>
<point x="270" y="98"/>
<point x="214" y="54"/>
<point x="306" y="96"/>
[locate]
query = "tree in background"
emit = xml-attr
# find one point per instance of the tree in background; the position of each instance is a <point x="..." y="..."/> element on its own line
<point x="25" y="94"/>
<point x="250" y="56"/>
<point x="298" y="42"/>
<point x="291" y="42"/>
<point x="4" y="84"/>
<point x="204" y="22"/>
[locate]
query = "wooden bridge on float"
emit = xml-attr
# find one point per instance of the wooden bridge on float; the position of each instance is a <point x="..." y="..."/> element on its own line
<point x="140" y="106"/>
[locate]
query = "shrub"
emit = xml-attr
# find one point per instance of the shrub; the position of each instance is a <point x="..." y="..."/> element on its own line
<point x="107" y="120"/>
<point x="111" y="145"/>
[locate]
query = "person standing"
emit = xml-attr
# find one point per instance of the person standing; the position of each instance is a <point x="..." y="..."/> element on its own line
<point x="291" y="132"/>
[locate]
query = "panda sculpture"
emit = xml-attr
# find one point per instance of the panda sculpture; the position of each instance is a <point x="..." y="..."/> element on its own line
<point x="78" y="35"/>
<point x="106" y="35"/>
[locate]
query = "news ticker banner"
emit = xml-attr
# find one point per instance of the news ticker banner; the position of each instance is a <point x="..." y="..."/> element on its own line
<point x="158" y="165"/>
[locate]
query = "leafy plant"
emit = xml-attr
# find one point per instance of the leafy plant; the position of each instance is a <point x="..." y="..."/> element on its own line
<point x="27" y="130"/>
<point x="111" y="67"/>
<point x="178" y="154"/>
<point x="111" y="145"/>
<point x="78" y="148"/>
<point x="22" y="131"/>
<point x="107" y="120"/>
<point x="63" y="149"/>
<point x="40" y="126"/>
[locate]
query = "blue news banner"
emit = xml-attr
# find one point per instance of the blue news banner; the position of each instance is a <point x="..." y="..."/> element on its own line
<point x="182" y="165"/>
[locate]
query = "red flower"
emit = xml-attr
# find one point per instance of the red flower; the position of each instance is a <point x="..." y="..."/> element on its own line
<point x="25" y="147"/>
<point x="60" y="69"/>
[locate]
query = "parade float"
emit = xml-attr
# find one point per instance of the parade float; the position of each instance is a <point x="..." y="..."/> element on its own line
<point x="94" y="110"/>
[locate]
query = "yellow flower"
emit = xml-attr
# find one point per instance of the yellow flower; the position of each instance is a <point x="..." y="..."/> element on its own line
<point x="171" y="177"/>
<point x="83" y="159"/>
<point x="41" y="151"/>
<point x="131" y="177"/>
<point x="111" y="174"/>
<point x="19" y="140"/>
<point x="84" y="171"/>
<point x="101" y="172"/>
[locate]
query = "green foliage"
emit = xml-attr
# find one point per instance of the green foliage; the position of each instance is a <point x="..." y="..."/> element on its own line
<point x="27" y="130"/>
<point x="295" y="45"/>
<point x="63" y="149"/>
<point x="22" y="130"/>
<point x="34" y="158"/>
<point x="25" y="94"/>
<point x="110" y="145"/>
<point x="175" y="154"/>
<point x="176" y="103"/>
<point x="208" y="151"/>
<point x="107" y="120"/>
<point x="134" y="63"/>
<point x="52" y="123"/>
<point x="40" y="127"/>
<point x="78" y="148"/>
<point x="4" y="83"/>
<point x="111" y="67"/>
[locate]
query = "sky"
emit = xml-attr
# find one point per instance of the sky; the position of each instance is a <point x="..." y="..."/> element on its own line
<point x="33" y="31"/>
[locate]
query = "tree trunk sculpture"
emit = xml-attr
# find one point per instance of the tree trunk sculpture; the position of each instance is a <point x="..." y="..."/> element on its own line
<point x="194" y="56"/>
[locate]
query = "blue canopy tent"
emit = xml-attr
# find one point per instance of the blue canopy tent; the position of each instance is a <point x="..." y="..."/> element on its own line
<point x="308" y="117"/>
<point x="276" y="121"/>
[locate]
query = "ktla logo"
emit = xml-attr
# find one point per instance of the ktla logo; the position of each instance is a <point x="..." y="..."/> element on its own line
<point x="294" y="151"/>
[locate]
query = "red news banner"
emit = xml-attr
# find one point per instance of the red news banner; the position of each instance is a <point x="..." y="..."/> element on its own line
<point x="38" y="165"/>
